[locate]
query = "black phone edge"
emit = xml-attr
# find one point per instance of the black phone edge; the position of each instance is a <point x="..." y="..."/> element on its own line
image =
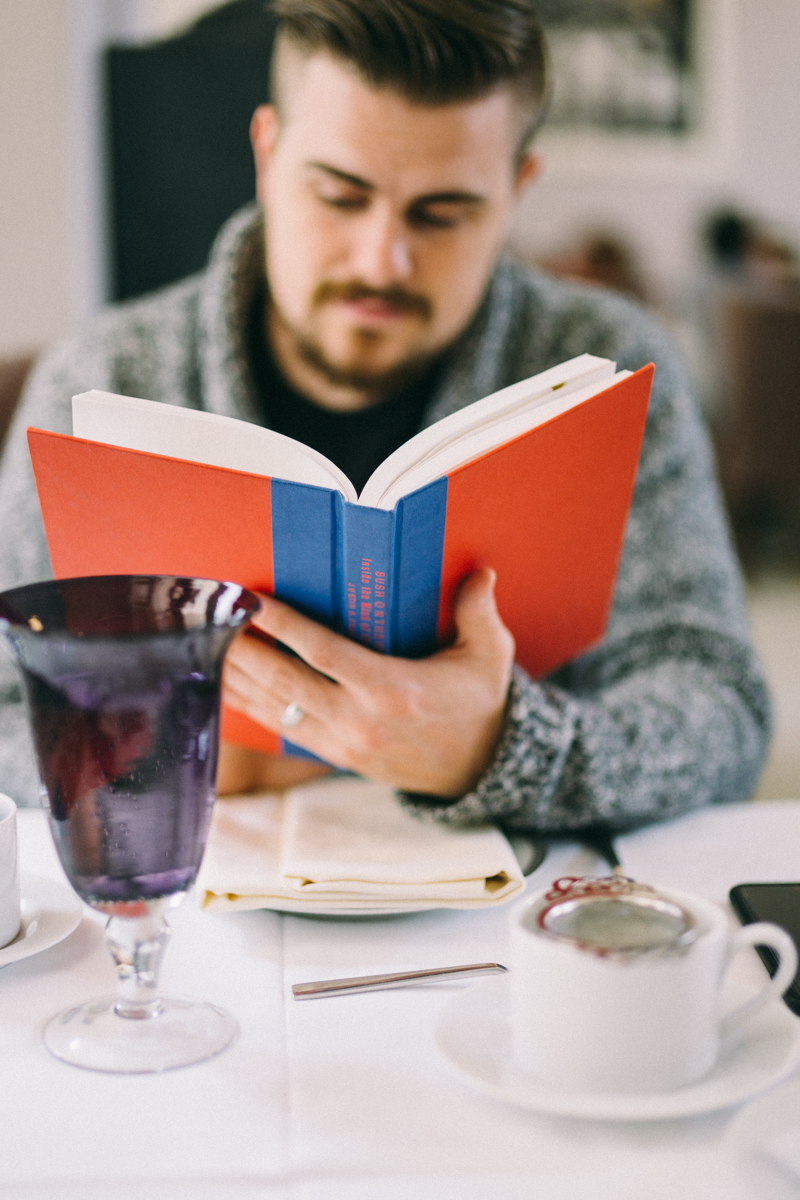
<point x="748" y="916"/>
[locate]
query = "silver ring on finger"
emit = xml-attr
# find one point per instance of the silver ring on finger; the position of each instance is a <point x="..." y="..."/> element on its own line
<point x="293" y="714"/>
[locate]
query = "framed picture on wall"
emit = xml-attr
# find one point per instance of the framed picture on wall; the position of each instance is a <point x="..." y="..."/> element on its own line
<point x="639" y="85"/>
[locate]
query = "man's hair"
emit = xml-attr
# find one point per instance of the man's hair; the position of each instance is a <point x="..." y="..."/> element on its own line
<point x="430" y="51"/>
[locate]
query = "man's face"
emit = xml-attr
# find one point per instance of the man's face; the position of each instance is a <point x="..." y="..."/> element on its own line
<point x="383" y="222"/>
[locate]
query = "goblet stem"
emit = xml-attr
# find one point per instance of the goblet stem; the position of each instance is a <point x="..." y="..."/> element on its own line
<point x="137" y="945"/>
<point x="139" y="1031"/>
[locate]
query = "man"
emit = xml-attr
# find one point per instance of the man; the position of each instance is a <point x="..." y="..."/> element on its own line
<point x="387" y="167"/>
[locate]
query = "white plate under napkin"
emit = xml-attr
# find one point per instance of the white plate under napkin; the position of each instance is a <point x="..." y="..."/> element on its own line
<point x="347" y="846"/>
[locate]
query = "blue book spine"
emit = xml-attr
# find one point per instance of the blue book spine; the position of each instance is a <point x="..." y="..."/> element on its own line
<point x="418" y="549"/>
<point x="391" y="572"/>
<point x="305" y="536"/>
<point x="373" y="575"/>
<point x="367" y="575"/>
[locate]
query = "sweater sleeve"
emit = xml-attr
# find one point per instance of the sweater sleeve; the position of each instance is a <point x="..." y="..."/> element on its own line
<point x="670" y="711"/>
<point x="144" y="348"/>
<point x="23" y="552"/>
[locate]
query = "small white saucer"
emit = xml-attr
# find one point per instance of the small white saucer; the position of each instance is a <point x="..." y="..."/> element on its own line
<point x="50" y="911"/>
<point x="474" y="1036"/>
<point x="756" y="1132"/>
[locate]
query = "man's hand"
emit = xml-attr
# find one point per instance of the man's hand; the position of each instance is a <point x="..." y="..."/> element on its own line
<point x="428" y="725"/>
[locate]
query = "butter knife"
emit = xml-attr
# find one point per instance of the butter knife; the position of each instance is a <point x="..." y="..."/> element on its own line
<point x="373" y="983"/>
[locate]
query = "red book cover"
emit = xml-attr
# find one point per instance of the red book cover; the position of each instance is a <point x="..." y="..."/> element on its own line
<point x="548" y="511"/>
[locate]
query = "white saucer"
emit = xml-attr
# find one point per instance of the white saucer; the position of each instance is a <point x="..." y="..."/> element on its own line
<point x="473" y="1035"/>
<point x="756" y="1132"/>
<point x="50" y="911"/>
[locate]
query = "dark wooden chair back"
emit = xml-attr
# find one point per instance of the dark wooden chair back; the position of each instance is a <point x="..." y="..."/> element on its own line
<point x="760" y="443"/>
<point x="180" y="159"/>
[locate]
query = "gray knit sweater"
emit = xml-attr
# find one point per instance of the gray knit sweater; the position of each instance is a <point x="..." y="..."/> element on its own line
<point x="668" y="713"/>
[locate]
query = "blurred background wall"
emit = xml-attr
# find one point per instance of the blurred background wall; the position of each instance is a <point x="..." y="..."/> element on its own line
<point x="750" y="55"/>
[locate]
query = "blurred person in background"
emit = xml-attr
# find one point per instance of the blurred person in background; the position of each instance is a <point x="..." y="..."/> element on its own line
<point x="743" y="250"/>
<point x="364" y="298"/>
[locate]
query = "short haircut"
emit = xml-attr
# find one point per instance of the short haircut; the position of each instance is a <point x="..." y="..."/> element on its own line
<point x="430" y="51"/>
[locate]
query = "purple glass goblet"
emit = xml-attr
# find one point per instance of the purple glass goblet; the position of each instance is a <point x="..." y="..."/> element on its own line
<point x="122" y="675"/>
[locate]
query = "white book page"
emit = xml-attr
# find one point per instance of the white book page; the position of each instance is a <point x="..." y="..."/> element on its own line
<point x="202" y="437"/>
<point x="459" y="453"/>
<point x="483" y="414"/>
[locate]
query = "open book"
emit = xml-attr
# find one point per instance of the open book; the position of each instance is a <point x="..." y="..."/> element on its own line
<point x="534" y="481"/>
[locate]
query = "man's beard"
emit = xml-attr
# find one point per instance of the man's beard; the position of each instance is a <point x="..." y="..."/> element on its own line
<point x="377" y="382"/>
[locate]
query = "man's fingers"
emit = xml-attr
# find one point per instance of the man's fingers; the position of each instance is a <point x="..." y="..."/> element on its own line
<point x="242" y="692"/>
<point x="479" y="628"/>
<point x="478" y="623"/>
<point x="329" y="653"/>
<point x="239" y="691"/>
<point x="275" y="678"/>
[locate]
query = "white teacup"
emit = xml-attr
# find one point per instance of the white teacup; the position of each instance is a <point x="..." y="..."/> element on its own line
<point x="589" y="1022"/>
<point x="9" y="872"/>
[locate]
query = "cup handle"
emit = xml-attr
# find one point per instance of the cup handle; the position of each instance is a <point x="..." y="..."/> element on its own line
<point x="761" y="933"/>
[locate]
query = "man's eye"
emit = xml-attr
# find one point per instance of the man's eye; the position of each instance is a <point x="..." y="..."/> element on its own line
<point x="432" y="218"/>
<point x="336" y="200"/>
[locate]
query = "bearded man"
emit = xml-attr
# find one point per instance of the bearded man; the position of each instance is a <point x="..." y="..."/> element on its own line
<point x="364" y="298"/>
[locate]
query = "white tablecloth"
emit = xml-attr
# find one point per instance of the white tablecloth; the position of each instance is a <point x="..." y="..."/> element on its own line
<point x="349" y="1097"/>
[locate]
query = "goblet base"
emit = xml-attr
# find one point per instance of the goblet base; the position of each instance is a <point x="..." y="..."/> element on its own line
<point x="181" y="1032"/>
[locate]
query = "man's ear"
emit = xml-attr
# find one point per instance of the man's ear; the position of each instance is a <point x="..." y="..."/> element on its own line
<point x="527" y="170"/>
<point x="264" y="134"/>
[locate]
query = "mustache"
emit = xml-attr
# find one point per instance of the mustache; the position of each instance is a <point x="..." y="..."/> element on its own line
<point x="395" y="297"/>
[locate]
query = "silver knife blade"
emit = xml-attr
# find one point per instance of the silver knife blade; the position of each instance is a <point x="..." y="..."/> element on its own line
<point x="320" y="988"/>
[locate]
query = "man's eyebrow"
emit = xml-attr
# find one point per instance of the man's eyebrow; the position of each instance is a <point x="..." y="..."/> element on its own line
<point x="345" y="177"/>
<point x="472" y="198"/>
<point x="449" y="198"/>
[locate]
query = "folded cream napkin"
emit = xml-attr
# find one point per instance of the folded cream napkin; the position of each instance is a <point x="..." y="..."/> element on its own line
<point x="347" y="844"/>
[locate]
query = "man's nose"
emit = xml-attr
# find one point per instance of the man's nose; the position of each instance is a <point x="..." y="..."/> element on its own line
<point x="381" y="253"/>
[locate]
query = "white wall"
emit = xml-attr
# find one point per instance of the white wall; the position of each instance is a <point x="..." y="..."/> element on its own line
<point x="659" y="209"/>
<point x="133" y="20"/>
<point x="50" y="221"/>
<point x="34" y="210"/>
<point x="162" y="17"/>
<point x="769" y="123"/>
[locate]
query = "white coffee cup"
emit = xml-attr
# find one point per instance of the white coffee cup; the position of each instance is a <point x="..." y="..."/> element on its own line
<point x="590" y="1022"/>
<point x="9" y="872"/>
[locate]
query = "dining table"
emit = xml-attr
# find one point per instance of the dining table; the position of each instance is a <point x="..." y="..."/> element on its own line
<point x="352" y="1097"/>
